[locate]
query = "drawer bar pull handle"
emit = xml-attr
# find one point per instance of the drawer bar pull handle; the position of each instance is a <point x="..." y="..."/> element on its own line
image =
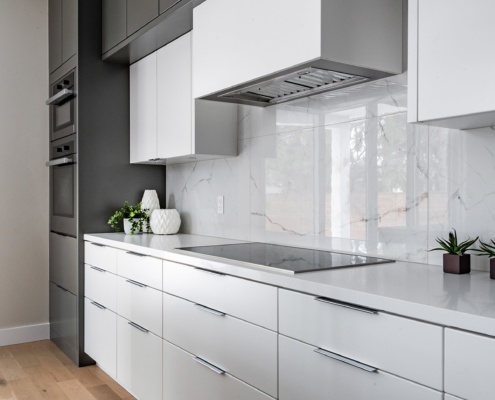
<point x="338" y="357"/>
<point x="135" y="254"/>
<point x="98" y="245"/>
<point x="347" y="305"/>
<point x="98" y="305"/>
<point x="210" y="310"/>
<point x="209" y="272"/>
<point x="98" y="269"/>
<point x="60" y="287"/>
<point x="208" y="365"/>
<point x="138" y="327"/>
<point x="136" y="283"/>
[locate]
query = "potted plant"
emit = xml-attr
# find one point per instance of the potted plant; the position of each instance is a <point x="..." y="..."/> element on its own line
<point x="487" y="249"/>
<point x="456" y="261"/>
<point x="134" y="218"/>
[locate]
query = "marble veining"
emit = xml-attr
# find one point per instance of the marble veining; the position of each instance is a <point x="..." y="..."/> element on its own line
<point x="344" y="171"/>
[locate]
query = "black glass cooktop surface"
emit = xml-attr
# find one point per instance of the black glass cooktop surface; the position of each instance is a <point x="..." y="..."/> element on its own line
<point x="288" y="259"/>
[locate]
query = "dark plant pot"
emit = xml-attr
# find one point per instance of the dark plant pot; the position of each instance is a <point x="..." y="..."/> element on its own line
<point x="454" y="264"/>
<point x="492" y="268"/>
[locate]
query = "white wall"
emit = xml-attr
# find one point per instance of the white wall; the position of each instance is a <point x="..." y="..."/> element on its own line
<point x="23" y="175"/>
<point x="344" y="171"/>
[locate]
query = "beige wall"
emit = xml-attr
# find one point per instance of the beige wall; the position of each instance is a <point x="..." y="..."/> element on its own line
<point x="23" y="153"/>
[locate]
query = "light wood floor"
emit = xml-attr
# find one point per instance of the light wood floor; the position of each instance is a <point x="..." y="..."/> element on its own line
<point x="40" y="371"/>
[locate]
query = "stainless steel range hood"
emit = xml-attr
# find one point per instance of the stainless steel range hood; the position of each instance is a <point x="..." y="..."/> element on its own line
<point x="241" y="55"/>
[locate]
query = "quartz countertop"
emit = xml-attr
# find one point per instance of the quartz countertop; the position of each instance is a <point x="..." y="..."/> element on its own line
<point x="414" y="290"/>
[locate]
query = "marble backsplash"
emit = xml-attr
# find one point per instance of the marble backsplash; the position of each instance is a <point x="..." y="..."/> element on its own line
<point x="344" y="171"/>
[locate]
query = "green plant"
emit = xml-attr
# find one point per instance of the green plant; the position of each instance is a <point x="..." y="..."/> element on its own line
<point x="486" y="249"/>
<point x="452" y="246"/>
<point x="136" y="215"/>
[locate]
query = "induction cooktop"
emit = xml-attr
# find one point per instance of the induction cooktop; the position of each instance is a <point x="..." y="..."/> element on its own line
<point x="288" y="259"/>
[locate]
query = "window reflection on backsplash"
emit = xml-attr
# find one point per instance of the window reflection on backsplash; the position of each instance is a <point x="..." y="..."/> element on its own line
<point x="343" y="171"/>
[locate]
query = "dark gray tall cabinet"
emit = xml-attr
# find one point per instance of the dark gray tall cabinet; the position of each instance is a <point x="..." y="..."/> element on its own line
<point x="105" y="179"/>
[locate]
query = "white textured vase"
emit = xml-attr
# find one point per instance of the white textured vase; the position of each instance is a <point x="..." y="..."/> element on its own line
<point x="165" y="222"/>
<point x="150" y="201"/>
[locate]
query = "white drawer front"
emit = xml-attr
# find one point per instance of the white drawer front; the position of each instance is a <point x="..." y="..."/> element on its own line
<point x="250" y="301"/>
<point x="469" y="361"/>
<point x="140" y="268"/>
<point x="140" y="304"/>
<point x="305" y="374"/>
<point x="186" y="379"/>
<point x="397" y="345"/>
<point x="100" y="256"/>
<point x="101" y="286"/>
<point x="139" y="361"/>
<point x="100" y="336"/>
<point x="244" y="350"/>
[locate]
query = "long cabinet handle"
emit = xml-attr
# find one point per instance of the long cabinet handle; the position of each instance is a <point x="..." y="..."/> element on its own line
<point x="98" y="305"/>
<point x="98" y="244"/>
<point x="346" y="305"/>
<point x="209" y="310"/>
<point x="131" y="253"/>
<point x="142" y="285"/>
<point x="60" y="287"/>
<point x="138" y="327"/>
<point x="208" y="365"/>
<point x="209" y="272"/>
<point x="98" y="269"/>
<point x="350" y="361"/>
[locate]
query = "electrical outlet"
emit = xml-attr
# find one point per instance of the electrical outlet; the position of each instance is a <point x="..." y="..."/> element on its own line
<point x="220" y="204"/>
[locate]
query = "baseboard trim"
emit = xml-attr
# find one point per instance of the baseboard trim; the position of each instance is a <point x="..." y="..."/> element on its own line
<point x="24" y="334"/>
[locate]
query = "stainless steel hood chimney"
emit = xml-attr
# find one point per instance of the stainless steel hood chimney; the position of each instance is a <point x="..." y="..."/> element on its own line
<point x="261" y="52"/>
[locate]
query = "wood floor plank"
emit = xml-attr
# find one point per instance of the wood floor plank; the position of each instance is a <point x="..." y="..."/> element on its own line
<point x="121" y="392"/>
<point x="87" y="378"/>
<point x="55" y="367"/>
<point x="11" y="369"/>
<point x="6" y="392"/>
<point x="75" y="390"/>
<point x="24" y="389"/>
<point x="45" y="383"/>
<point x="103" y="392"/>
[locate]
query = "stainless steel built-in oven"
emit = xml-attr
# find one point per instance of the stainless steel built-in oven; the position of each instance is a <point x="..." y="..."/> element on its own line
<point x="63" y="186"/>
<point x="63" y="109"/>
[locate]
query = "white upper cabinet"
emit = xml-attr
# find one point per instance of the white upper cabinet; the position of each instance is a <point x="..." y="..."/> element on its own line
<point x="235" y="42"/>
<point x="451" y="80"/>
<point x="167" y="126"/>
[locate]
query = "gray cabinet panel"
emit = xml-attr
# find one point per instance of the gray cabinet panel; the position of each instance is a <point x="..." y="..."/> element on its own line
<point x="139" y="13"/>
<point x="166" y="4"/>
<point x="55" y="34"/>
<point x="69" y="29"/>
<point x="114" y="23"/>
<point x="63" y="320"/>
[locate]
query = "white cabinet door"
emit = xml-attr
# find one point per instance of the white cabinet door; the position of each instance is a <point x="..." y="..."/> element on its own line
<point x="452" y="76"/>
<point x="100" y="286"/>
<point x="244" y="350"/>
<point x="143" y="109"/>
<point x="174" y="112"/>
<point x="469" y="361"/>
<point x="401" y="346"/>
<point x="139" y="361"/>
<point x="100" y="256"/>
<point x="100" y="336"/>
<point x="449" y="397"/>
<point x="140" y="304"/>
<point x="306" y="374"/>
<point x="250" y="301"/>
<point x="184" y="378"/>
<point x="139" y="267"/>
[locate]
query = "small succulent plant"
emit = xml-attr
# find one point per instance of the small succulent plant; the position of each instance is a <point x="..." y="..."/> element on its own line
<point x="452" y="245"/>
<point x="486" y="249"/>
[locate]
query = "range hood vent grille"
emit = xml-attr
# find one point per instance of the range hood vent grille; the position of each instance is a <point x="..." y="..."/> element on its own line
<point x="298" y="84"/>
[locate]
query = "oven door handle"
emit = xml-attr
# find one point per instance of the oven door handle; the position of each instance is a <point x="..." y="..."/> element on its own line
<point x="62" y="161"/>
<point x="59" y="97"/>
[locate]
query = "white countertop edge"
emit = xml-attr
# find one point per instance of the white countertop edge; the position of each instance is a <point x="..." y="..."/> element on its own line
<point x="308" y="282"/>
